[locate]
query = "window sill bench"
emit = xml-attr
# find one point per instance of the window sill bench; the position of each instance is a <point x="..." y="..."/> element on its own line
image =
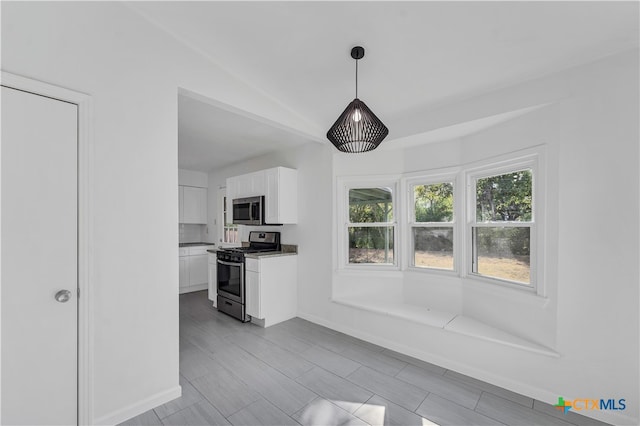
<point x="447" y="321"/>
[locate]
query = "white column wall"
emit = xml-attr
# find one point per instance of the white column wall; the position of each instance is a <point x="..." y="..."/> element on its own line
<point x="132" y="70"/>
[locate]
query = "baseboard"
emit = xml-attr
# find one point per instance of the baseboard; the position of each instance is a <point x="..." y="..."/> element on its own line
<point x="192" y="288"/>
<point x="139" y="407"/>
<point x="543" y="395"/>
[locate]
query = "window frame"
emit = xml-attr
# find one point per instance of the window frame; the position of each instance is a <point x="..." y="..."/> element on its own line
<point x="431" y="179"/>
<point x="222" y="207"/>
<point x="494" y="168"/>
<point x="342" y="213"/>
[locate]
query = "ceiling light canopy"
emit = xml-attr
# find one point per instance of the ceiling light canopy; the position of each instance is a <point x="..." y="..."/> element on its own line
<point x="357" y="129"/>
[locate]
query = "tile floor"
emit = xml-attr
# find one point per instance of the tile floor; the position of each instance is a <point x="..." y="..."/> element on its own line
<point x="298" y="372"/>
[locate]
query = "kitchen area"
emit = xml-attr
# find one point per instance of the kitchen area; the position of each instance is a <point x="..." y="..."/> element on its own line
<point x="242" y="265"/>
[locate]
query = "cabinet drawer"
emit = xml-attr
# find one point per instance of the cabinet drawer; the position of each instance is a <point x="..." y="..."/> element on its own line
<point x="198" y="250"/>
<point x="183" y="251"/>
<point x="252" y="265"/>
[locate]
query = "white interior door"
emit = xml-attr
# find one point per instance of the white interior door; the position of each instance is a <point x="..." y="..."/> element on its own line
<point x="39" y="259"/>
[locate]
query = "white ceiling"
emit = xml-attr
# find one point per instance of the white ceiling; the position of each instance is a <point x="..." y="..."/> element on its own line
<point x="418" y="55"/>
<point x="211" y="136"/>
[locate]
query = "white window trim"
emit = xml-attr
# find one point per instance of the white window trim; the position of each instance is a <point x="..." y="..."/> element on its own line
<point x="441" y="176"/>
<point x="222" y="192"/>
<point x="344" y="184"/>
<point x="527" y="159"/>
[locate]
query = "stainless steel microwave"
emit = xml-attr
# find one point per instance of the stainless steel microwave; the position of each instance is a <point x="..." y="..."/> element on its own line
<point x="248" y="211"/>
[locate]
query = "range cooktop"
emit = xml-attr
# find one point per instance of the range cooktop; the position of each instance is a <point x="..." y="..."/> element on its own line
<point x="248" y="249"/>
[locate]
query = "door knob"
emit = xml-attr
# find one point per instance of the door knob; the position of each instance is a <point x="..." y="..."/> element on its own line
<point x="63" y="296"/>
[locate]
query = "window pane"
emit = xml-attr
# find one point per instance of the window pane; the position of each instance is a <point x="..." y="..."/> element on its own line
<point x="433" y="203"/>
<point x="504" y="197"/>
<point x="371" y="244"/>
<point x="503" y="253"/>
<point x="433" y="247"/>
<point x="368" y="205"/>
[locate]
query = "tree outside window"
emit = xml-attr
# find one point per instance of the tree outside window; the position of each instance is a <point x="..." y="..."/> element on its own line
<point x="433" y="226"/>
<point x="501" y="232"/>
<point x="371" y="226"/>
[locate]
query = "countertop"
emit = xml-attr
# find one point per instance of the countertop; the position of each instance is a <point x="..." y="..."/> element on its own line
<point x="195" y="244"/>
<point x="287" y="250"/>
<point x="269" y="254"/>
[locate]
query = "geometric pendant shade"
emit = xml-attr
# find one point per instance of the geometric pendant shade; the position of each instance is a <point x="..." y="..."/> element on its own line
<point x="357" y="129"/>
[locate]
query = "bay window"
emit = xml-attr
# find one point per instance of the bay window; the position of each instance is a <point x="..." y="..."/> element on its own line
<point x="413" y="222"/>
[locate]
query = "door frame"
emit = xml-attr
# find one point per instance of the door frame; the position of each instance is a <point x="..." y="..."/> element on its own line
<point x="85" y="225"/>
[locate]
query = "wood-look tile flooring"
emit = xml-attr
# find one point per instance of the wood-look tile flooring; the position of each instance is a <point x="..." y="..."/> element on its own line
<point x="298" y="372"/>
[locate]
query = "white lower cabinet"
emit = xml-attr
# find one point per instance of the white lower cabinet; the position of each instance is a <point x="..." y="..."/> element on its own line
<point x="194" y="268"/>
<point x="271" y="288"/>
<point x="252" y="287"/>
<point x="198" y="269"/>
<point x="213" y="279"/>
<point x="184" y="272"/>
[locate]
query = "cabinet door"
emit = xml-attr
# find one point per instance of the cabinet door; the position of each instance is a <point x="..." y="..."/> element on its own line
<point x="195" y="205"/>
<point x="181" y="204"/>
<point x="198" y="269"/>
<point x="213" y="284"/>
<point x="244" y="186"/>
<point x="257" y="183"/>
<point x="287" y="195"/>
<point x="272" y="197"/>
<point x="184" y="272"/>
<point x="252" y="286"/>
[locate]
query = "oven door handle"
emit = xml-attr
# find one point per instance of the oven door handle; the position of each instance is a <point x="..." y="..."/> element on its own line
<point x="229" y="263"/>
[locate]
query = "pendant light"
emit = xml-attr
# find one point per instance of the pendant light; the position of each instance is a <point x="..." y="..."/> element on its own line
<point x="357" y="129"/>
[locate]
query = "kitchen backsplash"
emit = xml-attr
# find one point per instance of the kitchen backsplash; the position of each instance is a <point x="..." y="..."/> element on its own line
<point x="288" y="233"/>
<point x="192" y="233"/>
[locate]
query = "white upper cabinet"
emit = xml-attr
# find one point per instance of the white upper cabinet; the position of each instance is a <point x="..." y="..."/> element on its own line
<point x="193" y="204"/>
<point x="249" y="185"/>
<point x="279" y="186"/>
<point x="281" y="196"/>
<point x="192" y="196"/>
<point x="243" y="186"/>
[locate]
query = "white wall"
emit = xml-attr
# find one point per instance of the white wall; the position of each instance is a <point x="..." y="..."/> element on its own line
<point x="132" y="70"/>
<point x="591" y="315"/>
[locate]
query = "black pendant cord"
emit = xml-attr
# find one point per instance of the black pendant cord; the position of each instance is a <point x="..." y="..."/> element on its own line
<point x="356" y="79"/>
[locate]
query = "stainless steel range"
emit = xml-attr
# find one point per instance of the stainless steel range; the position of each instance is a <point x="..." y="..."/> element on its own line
<point x="231" y="275"/>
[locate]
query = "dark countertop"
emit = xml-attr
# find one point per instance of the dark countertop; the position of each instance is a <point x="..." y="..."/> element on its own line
<point x="195" y="244"/>
<point x="287" y="250"/>
<point x="262" y="254"/>
<point x="269" y="254"/>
